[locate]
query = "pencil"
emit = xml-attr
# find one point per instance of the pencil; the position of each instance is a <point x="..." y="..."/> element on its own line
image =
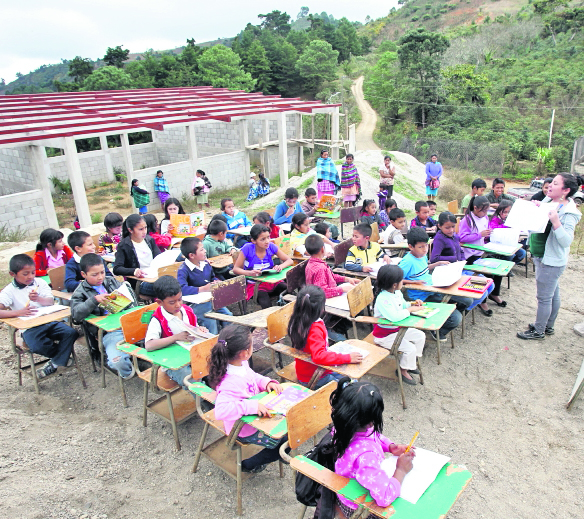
<point x="412" y="442"/>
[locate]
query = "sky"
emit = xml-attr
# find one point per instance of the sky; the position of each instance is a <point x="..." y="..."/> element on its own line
<point x="43" y="33"/>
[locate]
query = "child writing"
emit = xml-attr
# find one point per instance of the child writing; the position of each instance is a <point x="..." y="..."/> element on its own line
<point x="350" y="182"/>
<point x="22" y="297"/>
<point x="51" y="252"/>
<point x="310" y="203"/>
<point x="422" y="218"/>
<point x="92" y="291"/>
<point x="162" y="240"/>
<point x="171" y="206"/>
<point x="235" y="220"/>
<point x="264" y="218"/>
<point x="201" y="187"/>
<point x="81" y="243"/>
<point x="256" y="257"/>
<point x="161" y="187"/>
<point x="390" y="204"/>
<point x="394" y="232"/>
<point x="359" y="446"/>
<point x="498" y="221"/>
<point x="109" y="240"/>
<point x="308" y="333"/>
<point x="141" y="197"/>
<point x="216" y="244"/>
<point x="391" y="305"/>
<point x="370" y="215"/>
<point x="364" y="252"/>
<point x="478" y="187"/>
<point x="300" y="231"/>
<point x="288" y="207"/>
<point x="235" y="382"/>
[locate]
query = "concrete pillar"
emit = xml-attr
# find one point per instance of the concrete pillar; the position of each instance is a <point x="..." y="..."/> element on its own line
<point x="108" y="160"/>
<point x="282" y="149"/>
<point x="266" y="138"/>
<point x="74" y="172"/>
<point x="128" y="165"/>
<point x="335" y="133"/>
<point x="43" y="172"/>
<point x="352" y="139"/>
<point x="192" y="148"/>
<point x="300" y="147"/>
<point x="244" y="133"/>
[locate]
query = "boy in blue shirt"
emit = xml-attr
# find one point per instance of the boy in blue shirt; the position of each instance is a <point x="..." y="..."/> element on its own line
<point x="234" y="220"/>
<point x="288" y="207"/>
<point x="81" y="243"/>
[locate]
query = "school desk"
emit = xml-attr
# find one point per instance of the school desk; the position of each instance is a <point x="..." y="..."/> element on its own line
<point x="46" y="278"/>
<point x="221" y="261"/>
<point x="274" y="277"/>
<point x="435" y="503"/>
<point x="502" y="269"/>
<point x="402" y="247"/>
<point x="254" y="320"/>
<point x="109" y="258"/>
<point x="328" y="216"/>
<point x="240" y="231"/>
<point x="489" y="250"/>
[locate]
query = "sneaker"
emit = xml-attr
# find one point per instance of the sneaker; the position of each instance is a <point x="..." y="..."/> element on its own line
<point x="131" y="375"/>
<point x="433" y="335"/>
<point x="530" y="335"/>
<point x="254" y="470"/>
<point x="548" y="329"/>
<point x="511" y="275"/>
<point x="48" y="369"/>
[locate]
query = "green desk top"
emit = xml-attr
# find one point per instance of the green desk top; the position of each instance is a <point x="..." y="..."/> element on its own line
<point x="110" y="322"/>
<point x="169" y="357"/>
<point x="271" y="278"/>
<point x="433" y="322"/>
<point x="486" y="248"/>
<point x="45" y="278"/>
<point x="336" y="214"/>
<point x="502" y="269"/>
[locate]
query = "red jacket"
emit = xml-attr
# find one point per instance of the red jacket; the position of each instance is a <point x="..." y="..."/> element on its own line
<point x="316" y="345"/>
<point x="318" y="273"/>
<point x="162" y="240"/>
<point x="166" y="332"/>
<point x="42" y="264"/>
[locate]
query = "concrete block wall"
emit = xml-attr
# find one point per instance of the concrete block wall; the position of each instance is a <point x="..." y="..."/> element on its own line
<point x="17" y="173"/>
<point x="24" y="211"/>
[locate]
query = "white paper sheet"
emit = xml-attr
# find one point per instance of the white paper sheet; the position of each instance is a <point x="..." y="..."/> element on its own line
<point x="201" y="297"/>
<point x="427" y="465"/>
<point x="527" y="216"/>
<point x="502" y="236"/>
<point x="340" y="302"/>
<point x="505" y="250"/>
<point x="376" y="266"/>
<point x="346" y="348"/>
<point x="44" y="310"/>
<point x="446" y="275"/>
<point x="164" y="259"/>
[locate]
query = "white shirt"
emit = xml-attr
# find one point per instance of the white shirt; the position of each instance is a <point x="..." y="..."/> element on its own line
<point x="392" y="235"/>
<point x="155" y="330"/>
<point x="16" y="298"/>
<point x="192" y="266"/>
<point x="240" y="371"/>
<point x="143" y="252"/>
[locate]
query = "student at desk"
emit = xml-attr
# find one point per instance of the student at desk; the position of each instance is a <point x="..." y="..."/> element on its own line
<point x="394" y="232"/>
<point x="235" y="219"/>
<point x="364" y="252"/>
<point x="81" y="243"/>
<point x="217" y="244"/>
<point x="288" y="207"/>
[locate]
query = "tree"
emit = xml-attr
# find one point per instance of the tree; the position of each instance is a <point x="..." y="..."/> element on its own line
<point x="80" y="68"/>
<point x="463" y="85"/>
<point x="221" y="67"/>
<point x="282" y="57"/>
<point x="115" y="57"/>
<point x="419" y="54"/>
<point x="109" y="78"/>
<point x="345" y="40"/>
<point x="316" y="65"/>
<point x="303" y="13"/>
<point x="276" y="21"/>
<point x="257" y="64"/>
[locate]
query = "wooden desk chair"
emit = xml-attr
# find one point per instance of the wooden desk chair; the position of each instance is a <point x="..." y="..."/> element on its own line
<point x="170" y="270"/>
<point x="348" y="215"/>
<point x="341" y="250"/>
<point x="453" y="206"/>
<point x="296" y="277"/>
<point x="30" y="253"/>
<point x="374" y="232"/>
<point x="283" y="242"/>
<point x="271" y="211"/>
<point x="57" y="278"/>
<point x="179" y="405"/>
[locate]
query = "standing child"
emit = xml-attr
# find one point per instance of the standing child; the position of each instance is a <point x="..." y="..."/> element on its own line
<point x="235" y="220"/>
<point x="201" y="187"/>
<point x="81" y="243"/>
<point x="387" y="174"/>
<point x="370" y="215"/>
<point x="364" y="252"/>
<point x="21" y="298"/>
<point x="162" y="240"/>
<point x="161" y="187"/>
<point x="310" y="203"/>
<point x="327" y="176"/>
<point x="109" y="240"/>
<point x="216" y="244"/>
<point x="171" y="206"/>
<point x="85" y="301"/>
<point x="390" y="204"/>
<point x="350" y="182"/>
<point x="382" y="194"/>
<point x="264" y="218"/>
<point x="359" y="446"/>
<point x="422" y="218"/>
<point x="141" y="197"/>
<point x="394" y="233"/>
<point x="498" y="221"/>
<point x="235" y="383"/>
<point x="51" y="252"/>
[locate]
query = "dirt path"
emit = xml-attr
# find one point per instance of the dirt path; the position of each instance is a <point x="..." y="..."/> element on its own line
<point x="368" y="118"/>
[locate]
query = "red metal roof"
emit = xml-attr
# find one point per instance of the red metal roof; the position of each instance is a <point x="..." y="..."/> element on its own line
<point x="35" y="117"/>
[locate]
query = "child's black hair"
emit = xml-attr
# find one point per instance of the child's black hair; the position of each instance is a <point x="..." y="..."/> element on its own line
<point x="548" y="180"/>
<point x="224" y="201"/>
<point x="151" y="223"/>
<point x="309" y="192"/>
<point x="396" y="213"/>
<point x="383" y="187"/>
<point x="298" y="219"/>
<point x="314" y="244"/>
<point x="364" y="229"/>
<point x="322" y="152"/>
<point x="290" y="193"/>
<point x="308" y="308"/>
<point x="417" y="235"/>
<point x="390" y="202"/>
<point x="349" y="155"/>
<point x="264" y="218"/>
<point x="502" y="206"/>
<point x="189" y="246"/>
<point x="446" y="216"/>
<point x="159" y="171"/>
<point x="166" y="286"/>
<point x="232" y="339"/>
<point x="112" y="220"/>
<point x="77" y="239"/>
<point x="419" y="204"/>
<point x="497" y="181"/>
<point x="366" y="204"/>
<point x="476" y="202"/>
<point x="321" y="228"/>
<point x="171" y="201"/>
<point x="431" y="203"/>
<point x="19" y="261"/>
<point x="130" y="223"/>
<point x="90" y="260"/>
<point x="355" y="405"/>
<point x="478" y="183"/>
<point x="48" y="236"/>
<point x="132" y="184"/>
<point x="219" y="217"/>
<point x="263" y="181"/>
<point x="570" y="182"/>
<point x="216" y="226"/>
<point x="257" y="230"/>
<point x="387" y="277"/>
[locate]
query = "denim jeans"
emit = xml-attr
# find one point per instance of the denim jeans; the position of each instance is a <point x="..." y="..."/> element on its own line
<point x="178" y="375"/>
<point x="211" y="324"/>
<point x="547" y="281"/>
<point x="41" y="339"/>
<point x="453" y="321"/>
<point x="116" y="359"/>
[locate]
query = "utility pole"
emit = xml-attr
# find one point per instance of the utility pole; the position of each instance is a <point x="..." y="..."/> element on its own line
<point x="551" y="128"/>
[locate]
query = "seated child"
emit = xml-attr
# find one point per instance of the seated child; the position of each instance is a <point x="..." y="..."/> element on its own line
<point x="171" y="206"/>
<point x="308" y="333"/>
<point x="478" y="187"/>
<point x="235" y="382"/>
<point x="163" y="329"/>
<point x="300" y="231"/>
<point x="391" y="305"/>
<point x="162" y="240"/>
<point x="235" y="219"/>
<point x="216" y="244"/>
<point x="394" y="233"/>
<point x="364" y="252"/>
<point x="256" y="257"/>
<point x="390" y="204"/>
<point x="422" y="218"/>
<point x="498" y="221"/>
<point x="109" y="240"/>
<point x="432" y="206"/>
<point x="497" y="194"/>
<point x="51" y="252"/>
<point x="382" y="194"/>
<point x="196" y="275"/>
<point x="416" y="271"/>
<point x="92" y="291"/>
<point x="370" y="215"/>
<point x="288" y="207"/>
<point x="357" y="414"/>
<point x="325" y="229"/>
<point x="264" y="218"/>
<point x="81" y="243"/>
<point x="22" y="297"/>
<point x="310" y="202"/>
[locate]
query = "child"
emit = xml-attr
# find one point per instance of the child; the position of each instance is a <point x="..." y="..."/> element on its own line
<point x="364" y="252"/>
<point x="162" y="240"/>
<point x="235" y="382"/>
<point x="350" y="182"/>
<point x="235" y="219"/>
<point x="135" y="252"/>
<point x="51" y="252"/>
<point x="540" y="195"/>
<point x="288" y="207"/>
<point x="498" y="221"/>
<point x="92" y="291"/>
<point x="497" y="194"/>
<point x="478" y="187"/>
<point x="370" y="215"/>
<point x="196" y="275"/>
<point x="446" y="247"/>
<point x="161" y="187"/>
<point x="263" y="185"/>
<point x="473" y="229"/>
<point x="141" y="197"/>
<point x="390" y="204"/>
<point x="422" y="218"/>
<point x="81" y="243"/>
<point x="264" y="218"/>
<point x="359" y="446"/>
<point x="310" y="202"/>
<point x="394" y="233"/>
<point x="164" y="328"/>
<point x="308" y="333"/>
<point x="171" y="206"/>
<point x="416" y="270"/>
<point x="300" y="230"/>
<point x="383" y="194"/>
<point x="201" y="188"/>
<point x="216" y="244"/>
<point x="324" y="229"/>
<point x="255" y="257"/>
<point x="391" y="305"/>
<point x="109" y="240"/>
<point x="21" y="298"/>
<point x="432" y="206"/>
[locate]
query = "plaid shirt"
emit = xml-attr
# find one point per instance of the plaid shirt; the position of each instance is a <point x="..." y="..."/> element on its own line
<point x="318" y="273"/>
<point x="140" y="199"/>
<point x="160" y="184"/>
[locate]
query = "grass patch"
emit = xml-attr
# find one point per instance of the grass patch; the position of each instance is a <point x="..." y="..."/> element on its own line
<point x="96" y="218"/>
<point x="304" y="185"/>
<point x="405" y="187"/>
<point x="118" y="197"/>
<point x="577" y="246"/>
<point x="124" y="205"/>
<point x="12" y="235"/>
<point x="457" y="185"/>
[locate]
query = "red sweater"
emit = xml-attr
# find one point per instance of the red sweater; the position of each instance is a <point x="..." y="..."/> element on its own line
<point x="318" y="273"/>
<point x="316" y="345"/>
<point x="42" y="263"/>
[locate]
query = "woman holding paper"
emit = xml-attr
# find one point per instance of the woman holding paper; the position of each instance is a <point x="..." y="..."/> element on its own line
<point x="550" y="250"/>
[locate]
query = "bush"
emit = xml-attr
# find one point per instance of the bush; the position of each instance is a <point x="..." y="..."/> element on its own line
<point x="62" y="187"/>
<point x="12" y="235"/>
<point x="120" y="174"/>
<point x="456" y="185"/>
<point x="96" y="218"/>
<point x="415" y="18"/>
<point x="427" y="17"/>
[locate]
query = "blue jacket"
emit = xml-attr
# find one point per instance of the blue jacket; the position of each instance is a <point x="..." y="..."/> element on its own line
<point x="73" y="274"/>
<point x="191" y="280"/>
<point x="281" y="209"/>
<point x="233" y="222"/>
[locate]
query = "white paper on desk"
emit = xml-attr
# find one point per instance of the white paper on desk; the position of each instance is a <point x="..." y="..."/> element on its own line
<point x="164" y="259"/>
<point x="194" y="331"/>
<point x="505" y="250"/>
<point x="345" y="348"/>
<point x="446" y="275"/>
<point x="503" y="236"/>
<point x="527" y="216"/>
<point x="375" y="267"/>
<point x="340" y="302"/>
<point x="44" y="310"/>
<point x="427" y="465"/>
<point x="201" y="297"/>
<point x="241" y="230"/>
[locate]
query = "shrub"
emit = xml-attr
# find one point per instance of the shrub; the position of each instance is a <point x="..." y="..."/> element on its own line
<point x="427" y="17"/>
<point x="415" y="18"/>
<point x="456" y="185"/>
<point x="120" y="174"/>
<point x="62" y="186"/>
<point x="12" y="235"/>
<point x="96" y="218"/>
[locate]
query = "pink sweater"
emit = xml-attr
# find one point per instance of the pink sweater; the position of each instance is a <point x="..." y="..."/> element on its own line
<point x="472" y="235"/>
<point x="362" y="461"/>
<point x="239" y="384"/>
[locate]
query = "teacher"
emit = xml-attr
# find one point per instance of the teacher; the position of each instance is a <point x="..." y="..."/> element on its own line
<point x="433" y="174"/>
<point x="550" y="250"/>
<point x="327" y="176"/>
